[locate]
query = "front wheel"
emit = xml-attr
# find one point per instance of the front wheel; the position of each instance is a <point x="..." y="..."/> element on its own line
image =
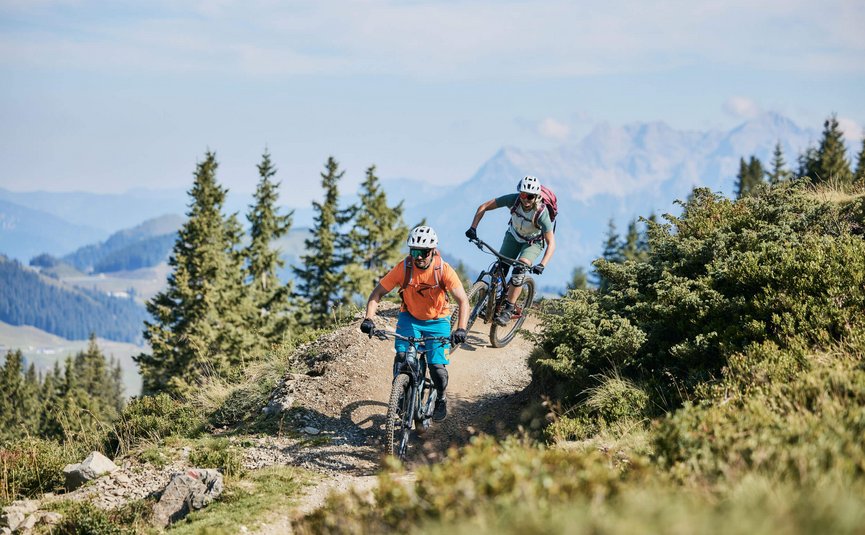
<point x="399" y="417"/>
<point x="500" y="336"/>
<point x="477" y="303"/>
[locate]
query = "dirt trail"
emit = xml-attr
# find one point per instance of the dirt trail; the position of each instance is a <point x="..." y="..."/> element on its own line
<point x="486" y="393"/>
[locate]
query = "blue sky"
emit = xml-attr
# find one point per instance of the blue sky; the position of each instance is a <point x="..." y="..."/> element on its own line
<point x="106" y="96"/>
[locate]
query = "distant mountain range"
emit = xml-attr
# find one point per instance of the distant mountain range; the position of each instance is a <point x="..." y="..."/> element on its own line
<point x="617" y="172"/>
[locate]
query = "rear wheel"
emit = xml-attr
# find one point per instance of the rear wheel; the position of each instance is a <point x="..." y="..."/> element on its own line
<point x="477" y="303"/>
<point x="398" y="422"/>
<point x="500" y="336"/>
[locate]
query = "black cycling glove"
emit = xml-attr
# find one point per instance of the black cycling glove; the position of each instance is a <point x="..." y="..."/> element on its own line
<point x="472" y="233"/>
<point x="458" y="337"/>
<point x="538" y="269"/>
<point x="366" y="326"/>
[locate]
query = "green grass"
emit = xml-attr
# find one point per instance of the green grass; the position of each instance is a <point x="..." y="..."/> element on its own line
<point x="254" y="499"/>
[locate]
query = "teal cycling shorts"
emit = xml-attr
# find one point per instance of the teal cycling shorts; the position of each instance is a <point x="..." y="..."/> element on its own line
<point x="407" y="325"/>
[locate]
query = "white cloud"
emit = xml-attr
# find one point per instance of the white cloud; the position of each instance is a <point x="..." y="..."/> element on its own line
<point x="851" y="129"/>
<point x="552" y="129"/>
<point x="741" y="107"/>
<point x="438" y="40"/>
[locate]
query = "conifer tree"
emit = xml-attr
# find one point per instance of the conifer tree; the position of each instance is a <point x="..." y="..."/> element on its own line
<point x="612" y="252"/>
<point x="809" y="164"/>
<point x="14" y="402"/>
<point x="320" y="279"/>
<point x="270" y="298"/>
<point x="375" y="240"/>
<point x="198" y="320"/>
<point x="859" y="175"/>
<point x="832" y="161"/>
<point x="750" y="177"/>
<point x="630" y="247"/>
<point x="579" y="279"/>
<point x="778" y="174"/>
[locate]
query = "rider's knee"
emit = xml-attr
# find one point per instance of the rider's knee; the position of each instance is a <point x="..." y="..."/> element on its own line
<point x="518" y="278"/>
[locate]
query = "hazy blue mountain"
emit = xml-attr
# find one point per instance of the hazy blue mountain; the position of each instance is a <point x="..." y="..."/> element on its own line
<point x="614" y="172"/>
<point x="26" y="232"/>
<point x="144" y="245"/>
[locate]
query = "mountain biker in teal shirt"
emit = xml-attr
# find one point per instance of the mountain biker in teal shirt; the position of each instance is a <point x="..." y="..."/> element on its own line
<point x="524" y="240"/>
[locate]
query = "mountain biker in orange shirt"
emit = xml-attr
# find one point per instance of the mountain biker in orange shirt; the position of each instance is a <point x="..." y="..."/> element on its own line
<point x="424" y="280"/>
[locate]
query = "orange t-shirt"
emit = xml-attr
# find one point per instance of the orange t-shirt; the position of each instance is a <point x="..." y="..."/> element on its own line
<point x="423" y="298"/>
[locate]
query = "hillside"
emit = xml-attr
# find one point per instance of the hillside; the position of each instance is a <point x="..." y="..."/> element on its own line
<point x="28" y="298"/>
<point x="26" y="232"/>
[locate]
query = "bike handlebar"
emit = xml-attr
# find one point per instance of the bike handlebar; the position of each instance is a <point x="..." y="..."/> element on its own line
<point x="381" y="334"/>
<point x="481" y="244"/>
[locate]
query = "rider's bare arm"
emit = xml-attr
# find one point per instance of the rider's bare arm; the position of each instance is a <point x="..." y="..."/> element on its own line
<point x="463" y="301"/>
<point x="372" y="303"/>
<point x="485" y="207"/>
<point x="550" y="238"/>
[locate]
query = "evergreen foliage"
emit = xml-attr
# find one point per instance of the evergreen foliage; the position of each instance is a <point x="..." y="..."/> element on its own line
<point x="579" y="279"/>
<point x="198" y="325"/>
<point x="750" y="178"/>
<point x="68" y="404"/>
<point x="29" y="298"/>
<point x="832" y="161"/>
<point x="859" y="175"/>
<point x="780" y="266"/>
<point x="145" y="253"/>
<point x="271" y="300"/>
<point x="778" y="174"/>
<point x="375" y="240"/>
<point x="320" y="280"/>
<point x="809" y="163"/>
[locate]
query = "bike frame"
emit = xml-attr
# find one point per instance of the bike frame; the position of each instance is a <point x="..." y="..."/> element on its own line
<point x="496" y="275"/>
<point x="421" y="392"/>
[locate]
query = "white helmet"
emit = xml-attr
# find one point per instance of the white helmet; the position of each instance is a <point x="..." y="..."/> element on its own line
<point x="530" y="184"/>
<point x="422" y="237"/>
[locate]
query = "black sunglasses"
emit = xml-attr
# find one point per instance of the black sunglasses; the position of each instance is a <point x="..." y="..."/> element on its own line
<point x="420" y="253"/>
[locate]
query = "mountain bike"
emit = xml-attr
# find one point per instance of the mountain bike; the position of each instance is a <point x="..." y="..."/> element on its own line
<point x="412" y="395"/>
<point x="487" y="297"/>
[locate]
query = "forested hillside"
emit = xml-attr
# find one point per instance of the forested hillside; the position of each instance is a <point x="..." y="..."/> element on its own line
<point x="73" y="313"/>
<point x="144" y="245"/>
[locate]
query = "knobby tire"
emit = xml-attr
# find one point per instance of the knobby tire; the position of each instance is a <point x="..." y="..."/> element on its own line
<point x="395" y="426"/>
<point x="502" y="336"/>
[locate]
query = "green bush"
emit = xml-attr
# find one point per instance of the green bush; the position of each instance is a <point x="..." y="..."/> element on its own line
<point x="218" y="453"/>
<point x="780" y="266"/>
<point x="33" y="466"/>
<point x="804" y="428"/>
<point x="152" y="418"/>
<point x="483" y="476"/>
<point x="84" y="518"/>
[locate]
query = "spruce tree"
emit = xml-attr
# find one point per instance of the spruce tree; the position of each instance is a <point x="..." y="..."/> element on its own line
<point x="375" y="240"/>
<point x="579" y="279"/>
<point x="832" y="161"/>
<point x="320" y="281"/>
<point x="270" y="298"/>
<point x="778" y="174"/>
<point x="16" y="399"/>
<point x="859" y="176"/>
<point x="198" y="325"/>
<point x="809" y="164"/>
<point x="612" y="252"/>
<point x="630" y="247"/>
<point x="750" y="177"/>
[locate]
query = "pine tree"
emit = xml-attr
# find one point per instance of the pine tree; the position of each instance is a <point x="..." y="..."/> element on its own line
<point x="778" y="174"/>
<point x="375" y="240"/>
<point x="14" y="419"/>
<point x="270" y="298"/>
<point x="859" y="176"/>
<point x="96" y="382"/>
<point x="198" y="320"/>
<point x="630" y="247"/>
<point x="320" y="279"/>
<point x="809" y="164"/>
<point x="832" y="156"/>
<point x="750" y="177"/>
<point x="612" y="253"/>
<point x="579" y="279"/>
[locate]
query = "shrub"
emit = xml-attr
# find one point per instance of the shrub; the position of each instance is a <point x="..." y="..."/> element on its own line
<point x="484" y="476"/>
<point x="84" y="518"/>
<point x="218" y="453"/>
<point x="152" y="418"/>
<point x="33" y="466"/>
